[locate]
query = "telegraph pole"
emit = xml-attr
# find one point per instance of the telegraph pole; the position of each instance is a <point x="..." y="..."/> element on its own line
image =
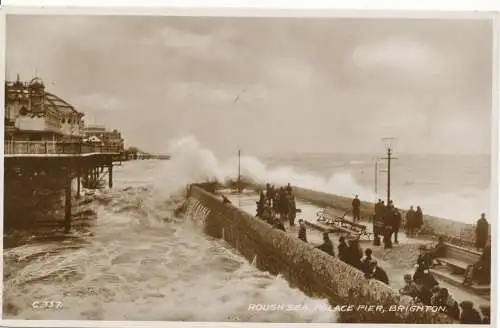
<point x="388" y="144"/>
<point x="239" y="171"/>
<point x="376" y="179"/>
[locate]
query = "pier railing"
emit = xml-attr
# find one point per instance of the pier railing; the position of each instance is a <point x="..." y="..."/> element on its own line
<point x="57" y="147"/>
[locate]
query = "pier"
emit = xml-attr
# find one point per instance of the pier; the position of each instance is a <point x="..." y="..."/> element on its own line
<point x="47" y="148"/>
<point x="35" y="165"/>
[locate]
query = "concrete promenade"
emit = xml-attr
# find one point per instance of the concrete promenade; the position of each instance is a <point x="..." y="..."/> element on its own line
<point x="396" y="261"/>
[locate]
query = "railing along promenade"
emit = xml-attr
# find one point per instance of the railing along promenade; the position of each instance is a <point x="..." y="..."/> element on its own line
<point x="56" y="148"/>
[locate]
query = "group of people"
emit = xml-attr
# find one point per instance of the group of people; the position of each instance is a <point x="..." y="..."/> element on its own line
<point x="351" y="253"/>
<point x="386" y="221"/>
<point x="276" y="205"/>
<point x="425" y="289"/>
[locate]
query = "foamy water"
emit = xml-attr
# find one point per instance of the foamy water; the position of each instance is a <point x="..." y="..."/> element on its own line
<point x="141" y="262"/>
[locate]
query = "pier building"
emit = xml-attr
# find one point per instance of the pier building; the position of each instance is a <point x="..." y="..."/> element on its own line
<point x="45" y="152"/>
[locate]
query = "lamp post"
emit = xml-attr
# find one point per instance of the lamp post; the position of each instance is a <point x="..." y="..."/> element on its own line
<point x="389" y="148"/>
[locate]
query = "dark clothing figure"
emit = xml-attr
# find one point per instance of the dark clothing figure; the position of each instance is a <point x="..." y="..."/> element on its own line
<point x="302" y="232"/>
<point x="343" y="250"/>
<point x="327" y="245"/>
<point x="380" y="275"/>
<point x="366" y="261"/>
<point x="469" y="314"/>
<point x="291" y="210"/>
<point x="439" y="250"/>
<point x="356" y="209"/>
<point x="443" y="298"/>
<point x="260" y="204"/>
<point x="365" y="264"/>
<point x="267" y="214"/>
<point x="396" y="224"/>
<point x="486" y="312"/>
<point x="424" y="293"/>
<point x="376" y="272"/>
<point x="279" y="225"/>
<point x="422" y="273"/>
<point x="378" y="223"/>
<point x="387" y="236"/>
<point x="481" y="270"/>
<point x="410" y="224"/>
<point x="419" y="218"/>
<point x="388" y="226"/>
<point x="355" y="254"/>
<point x="481" y="232"/>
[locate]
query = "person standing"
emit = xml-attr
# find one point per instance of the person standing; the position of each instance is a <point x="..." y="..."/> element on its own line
<point x="388" y="226"/>
<point x="356" y="209"/>
<point x="419" y="218"/>
<point x="292" y="209"/>
<point x="411" y="218"/>
<point x="482" y="228"/>
<point x="302" y="231"/>
<point x="396" y="224"/>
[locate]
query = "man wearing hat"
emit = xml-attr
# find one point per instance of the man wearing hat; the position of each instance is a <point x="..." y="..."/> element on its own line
<point x="327" y="245"/>
<point x="376" y="272"/>
<point x="424" y="262"/>
<point x="302" y="231"/>
<point x="343" y="250"/>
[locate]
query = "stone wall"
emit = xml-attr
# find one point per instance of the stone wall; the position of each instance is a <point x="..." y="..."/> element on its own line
<point x="314" y="272"/>
<point x="458" y="232"/>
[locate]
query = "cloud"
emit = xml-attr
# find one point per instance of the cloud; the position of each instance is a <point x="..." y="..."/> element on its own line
<point x="98" y="102"/>
<point x="176" y="38"/>
<point x="402" y="55"/>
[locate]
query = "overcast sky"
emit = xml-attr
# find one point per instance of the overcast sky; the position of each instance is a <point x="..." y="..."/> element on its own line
<point x="268" y="84"/>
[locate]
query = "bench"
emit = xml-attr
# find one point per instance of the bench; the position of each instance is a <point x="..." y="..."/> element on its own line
<point x="329" y="218"/>
<point x="459" y="258"/>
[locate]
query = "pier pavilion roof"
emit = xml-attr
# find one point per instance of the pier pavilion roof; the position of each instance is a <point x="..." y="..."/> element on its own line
<point x="21" y="91"/>
<point x="53" y="101"/>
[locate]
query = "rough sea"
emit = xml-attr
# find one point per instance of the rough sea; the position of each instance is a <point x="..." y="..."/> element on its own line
<point x="139" y="261"/>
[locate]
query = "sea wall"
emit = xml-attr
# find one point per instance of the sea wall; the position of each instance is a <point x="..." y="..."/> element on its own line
<point x="314" y="272"/>
<point x="460" y="232"/>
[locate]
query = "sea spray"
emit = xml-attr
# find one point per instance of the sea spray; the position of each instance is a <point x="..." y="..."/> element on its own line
<point x="192" y="163"/>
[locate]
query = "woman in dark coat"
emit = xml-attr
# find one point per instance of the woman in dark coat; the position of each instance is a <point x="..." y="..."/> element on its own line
<point x="419" y="218"/>
<point x="424" y="263"/>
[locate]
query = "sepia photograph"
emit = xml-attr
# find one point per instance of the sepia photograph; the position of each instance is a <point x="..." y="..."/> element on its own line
<point x="249" y="169"/>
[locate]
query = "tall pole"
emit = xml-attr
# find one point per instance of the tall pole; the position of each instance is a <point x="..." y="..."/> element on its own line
<point x="376" y="179"/>
<point x="389" y="158"/>
<point x="389" y="153"/>
<point x="239" y="170"/>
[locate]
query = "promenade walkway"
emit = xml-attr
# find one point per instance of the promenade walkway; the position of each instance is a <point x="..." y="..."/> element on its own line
<point x="396" y="261"/>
